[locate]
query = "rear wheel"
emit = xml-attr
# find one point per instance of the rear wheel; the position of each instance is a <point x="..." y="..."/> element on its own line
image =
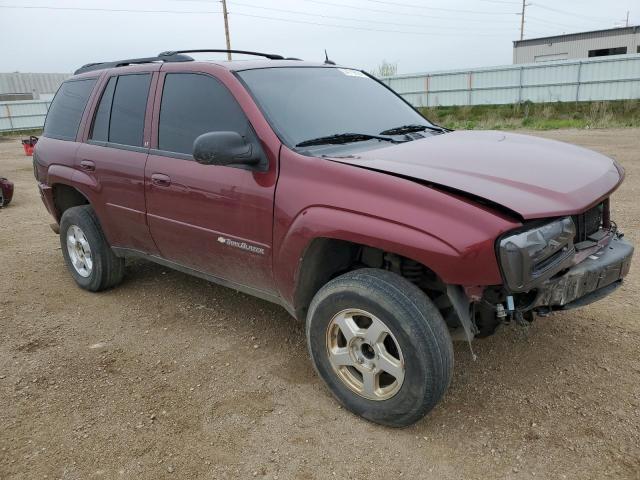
<point x="380" y="345"/>
<point x="87" y="254"/>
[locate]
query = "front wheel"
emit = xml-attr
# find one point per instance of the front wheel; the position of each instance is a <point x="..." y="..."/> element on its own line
<point x="380" y="345"/>
<point x="86" y="252"/>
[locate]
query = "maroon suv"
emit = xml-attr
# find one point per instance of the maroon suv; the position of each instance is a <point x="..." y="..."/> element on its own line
<point x="318" y="188"/>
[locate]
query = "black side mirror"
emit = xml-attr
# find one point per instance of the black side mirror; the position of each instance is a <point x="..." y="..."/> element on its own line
<point x="224" y="148"/>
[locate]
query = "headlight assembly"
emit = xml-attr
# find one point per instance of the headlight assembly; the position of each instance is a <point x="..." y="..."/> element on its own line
<point x="531" y="256"/>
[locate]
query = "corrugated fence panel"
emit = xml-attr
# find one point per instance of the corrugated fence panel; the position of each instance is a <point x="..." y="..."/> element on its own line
<point x="448" y="98"/>
<point x="496" y="78"/>
<point x="495" y="96"/>
<point x="549" y="93"/>
<point x="613" y="78"/>
<point x="408" y="84"/>
<point x="24" y="115"/>
<point x="551" y="74"/>
<point x="626" y="90"/>
<point x="455" y="81"/>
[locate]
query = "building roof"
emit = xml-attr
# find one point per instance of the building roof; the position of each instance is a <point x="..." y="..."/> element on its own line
<point x="577" y="36"/>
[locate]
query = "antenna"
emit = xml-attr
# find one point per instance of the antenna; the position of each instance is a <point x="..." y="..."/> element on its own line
<point x="326" y="59"/>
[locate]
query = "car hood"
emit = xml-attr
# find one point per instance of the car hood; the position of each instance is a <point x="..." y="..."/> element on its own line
<point x="531" y="176"/>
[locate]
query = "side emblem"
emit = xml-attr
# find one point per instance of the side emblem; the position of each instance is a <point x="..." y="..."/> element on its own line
<point x="241" y="245"/>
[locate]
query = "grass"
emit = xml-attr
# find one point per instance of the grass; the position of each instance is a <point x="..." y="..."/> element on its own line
<point x="538" y="116"/>
<point x="22" y="133"/>
<point x="533" y="116"/>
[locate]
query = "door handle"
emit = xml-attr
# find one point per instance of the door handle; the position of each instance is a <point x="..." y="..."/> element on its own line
<point x="87" y="165"/>
<point x="160" y="179"/>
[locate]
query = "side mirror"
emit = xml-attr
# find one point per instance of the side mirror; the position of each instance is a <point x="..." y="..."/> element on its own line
<point x="224" y="148"/>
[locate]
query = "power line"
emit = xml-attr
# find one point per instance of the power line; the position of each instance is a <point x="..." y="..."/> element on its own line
<point x="91" y="9"/>
<point x="347" y="27"/>
<point x="544" y="21"/>
<point x="335" y="17"/>
<point x="572" y="14"/>
<point x="404" y="14"/>
<point x="425" y="7"/>
<point x="388" y="12"/>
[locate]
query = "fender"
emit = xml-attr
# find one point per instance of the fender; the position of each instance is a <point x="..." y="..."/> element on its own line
<point x="82" y="182"/>
<point x="326" y="222"/>
<point x="87" y="185"/>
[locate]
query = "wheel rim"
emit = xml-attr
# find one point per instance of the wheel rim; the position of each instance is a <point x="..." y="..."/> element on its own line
<point x="79" y="251"/>
<point x="365" y="355"/>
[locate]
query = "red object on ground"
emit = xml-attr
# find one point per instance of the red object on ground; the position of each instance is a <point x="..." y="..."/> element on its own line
<point x="28" y="145"/>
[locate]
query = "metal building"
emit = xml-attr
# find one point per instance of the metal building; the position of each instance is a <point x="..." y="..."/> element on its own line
<point x="30" y="86"/>
<point x="599" y="43"/>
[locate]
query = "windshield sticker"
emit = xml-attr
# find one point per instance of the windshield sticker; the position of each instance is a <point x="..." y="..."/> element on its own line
<point x="352" y="73"/>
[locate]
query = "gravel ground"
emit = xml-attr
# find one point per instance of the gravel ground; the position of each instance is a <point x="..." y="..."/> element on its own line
<point x="168" y="376"/>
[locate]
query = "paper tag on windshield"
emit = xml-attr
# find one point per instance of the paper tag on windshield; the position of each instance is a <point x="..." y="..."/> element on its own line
<point x="352" y="73"/>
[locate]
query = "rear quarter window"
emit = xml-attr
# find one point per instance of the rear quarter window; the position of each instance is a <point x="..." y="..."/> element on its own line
<point x="67" y="108"/>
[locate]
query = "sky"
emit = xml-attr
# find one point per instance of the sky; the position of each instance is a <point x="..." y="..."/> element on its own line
<point x="417" y="35"/>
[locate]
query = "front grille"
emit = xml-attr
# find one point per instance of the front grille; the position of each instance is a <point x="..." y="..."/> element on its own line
<point x="590" y="222"/>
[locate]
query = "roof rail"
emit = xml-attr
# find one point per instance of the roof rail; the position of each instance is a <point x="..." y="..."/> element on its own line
<point x="270" y="56"/>
<point x="133" y="61"/>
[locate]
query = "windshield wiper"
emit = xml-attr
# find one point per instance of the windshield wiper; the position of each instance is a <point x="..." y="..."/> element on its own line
<point x="341" y="138"/>
<point x="410" y="129"/>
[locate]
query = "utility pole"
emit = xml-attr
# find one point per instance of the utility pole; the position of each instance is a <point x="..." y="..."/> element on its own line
<point x="627" y="22"/>
<point x="524" y="6"/>
<point x="225" y="13"/>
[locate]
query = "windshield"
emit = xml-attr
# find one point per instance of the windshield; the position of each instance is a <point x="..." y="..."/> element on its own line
<point x="306" y="103"/>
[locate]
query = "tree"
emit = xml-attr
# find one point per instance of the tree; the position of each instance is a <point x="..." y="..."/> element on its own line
<point x="385" y="69"/>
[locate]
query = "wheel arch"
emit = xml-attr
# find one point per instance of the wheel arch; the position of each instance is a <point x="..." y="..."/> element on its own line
<point x="70" y="188"/>
<point x="323" y="243"/>
<point x="66" y="196"/>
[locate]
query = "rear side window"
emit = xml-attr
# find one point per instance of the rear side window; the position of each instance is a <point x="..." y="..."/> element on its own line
<point x="193" y="104"/>
<point x="67" y="108"/>
<point x="120" y="115"/>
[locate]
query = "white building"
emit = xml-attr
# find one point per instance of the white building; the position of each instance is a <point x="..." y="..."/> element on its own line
<point x="30" y="86"/>
<point x="599" y="43"/>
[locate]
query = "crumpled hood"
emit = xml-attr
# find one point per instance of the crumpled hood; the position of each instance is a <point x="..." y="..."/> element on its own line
<point x="532" y="176"/>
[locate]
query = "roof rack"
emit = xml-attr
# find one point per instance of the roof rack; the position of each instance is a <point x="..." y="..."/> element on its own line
<point x="270" y="56"/>
<point x="170" y="57"/>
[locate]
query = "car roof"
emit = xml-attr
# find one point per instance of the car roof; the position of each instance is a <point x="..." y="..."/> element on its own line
<point x="239" y="65"/>
<point x="179" y="56"/>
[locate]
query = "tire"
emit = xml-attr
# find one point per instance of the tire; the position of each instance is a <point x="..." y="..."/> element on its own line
<point x="423" y="347"/>
<point x="79" y="227"/>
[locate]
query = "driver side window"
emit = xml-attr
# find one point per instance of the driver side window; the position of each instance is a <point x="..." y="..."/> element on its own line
<point x="193" y="104"/>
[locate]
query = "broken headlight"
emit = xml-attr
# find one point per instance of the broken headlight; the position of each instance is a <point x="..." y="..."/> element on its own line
<point x="531" y="256"/>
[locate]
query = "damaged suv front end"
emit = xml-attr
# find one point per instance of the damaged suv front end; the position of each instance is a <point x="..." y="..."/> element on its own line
<point x="557" y="264"/>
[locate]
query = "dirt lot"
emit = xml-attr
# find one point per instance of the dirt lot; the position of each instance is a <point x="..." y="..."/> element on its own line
<point x="168" y="376"/>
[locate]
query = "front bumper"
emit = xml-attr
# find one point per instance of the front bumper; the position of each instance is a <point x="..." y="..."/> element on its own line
<point x="591" y="279"/>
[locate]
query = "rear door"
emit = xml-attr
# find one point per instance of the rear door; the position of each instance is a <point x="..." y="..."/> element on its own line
<point x="115" y="154"/>
<point x="213" y="219"/>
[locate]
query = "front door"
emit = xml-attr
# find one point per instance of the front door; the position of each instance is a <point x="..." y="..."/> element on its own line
<point x="214" y="219"/>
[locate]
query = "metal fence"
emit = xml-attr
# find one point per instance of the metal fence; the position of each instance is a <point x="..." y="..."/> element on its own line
<point x="614" y="78"/>
<point x="23" y="115"/>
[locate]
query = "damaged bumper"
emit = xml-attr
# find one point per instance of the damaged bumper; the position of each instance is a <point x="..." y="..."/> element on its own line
<point x="592" y="279"/>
